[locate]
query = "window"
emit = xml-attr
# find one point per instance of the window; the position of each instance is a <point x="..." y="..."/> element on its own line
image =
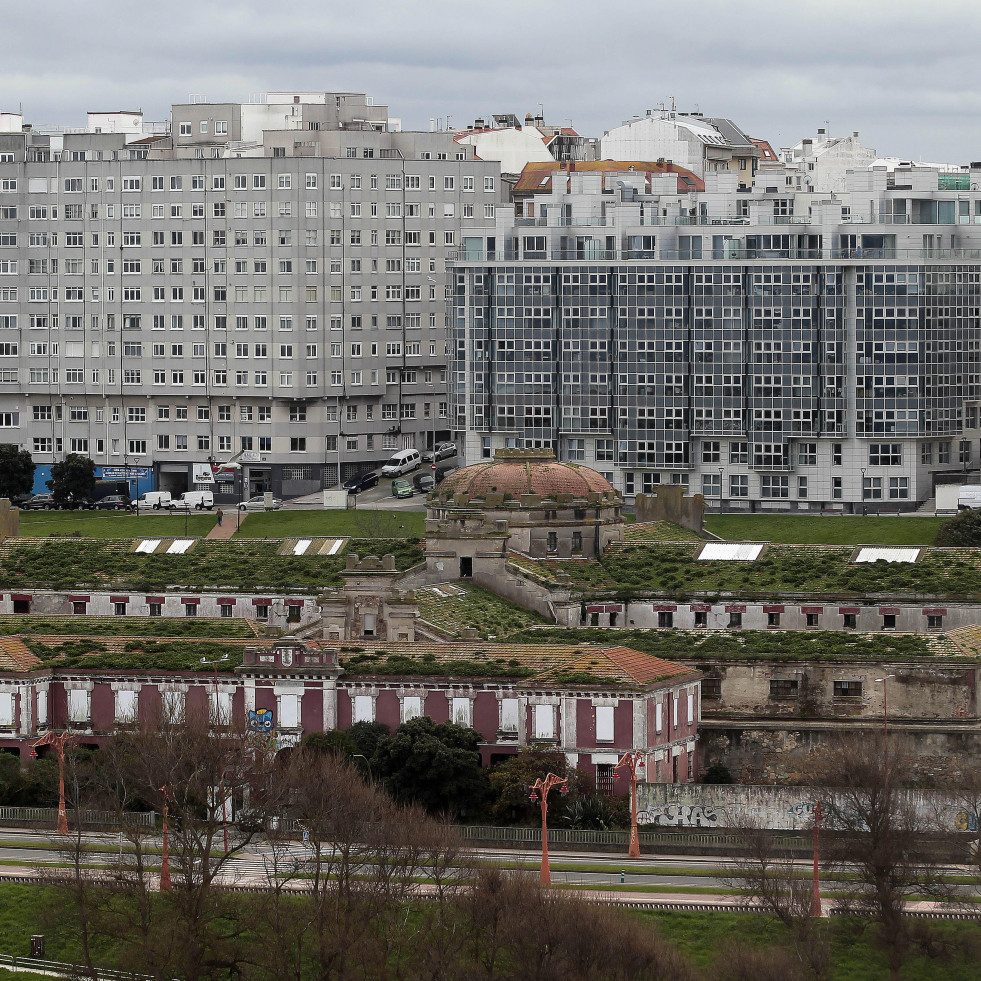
<point x="935" y="621"/>
<point x="885" y="454"/>
<point x="889" y="621"/>
<point x="665" y="619"/>
<point x="735" y="618"/>
<point x="784" y="688"/>
<point x="604" y="723"/>
<point x="848" y="689"/>
<point x="812" y="619"/>
<point x="363" y="708"/>
<point x="544" y="721"/>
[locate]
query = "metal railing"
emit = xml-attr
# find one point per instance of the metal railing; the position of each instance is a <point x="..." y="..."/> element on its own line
<point x="49" y="816"/>
<point x="730" y="253"/>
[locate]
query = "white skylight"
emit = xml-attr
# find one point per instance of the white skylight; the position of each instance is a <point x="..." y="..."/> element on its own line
<point x="730" y="552"/>
<point x="148" y="545"/>
<point x="301" y="546"/>
<point x="887" y="555"/>
<point x="179" y="546"/>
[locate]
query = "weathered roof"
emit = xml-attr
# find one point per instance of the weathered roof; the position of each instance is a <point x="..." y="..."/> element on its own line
<point x="536" y="177"/>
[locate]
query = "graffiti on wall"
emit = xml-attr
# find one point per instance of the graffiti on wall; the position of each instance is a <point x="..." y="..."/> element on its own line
<point x="260" y="720"/>
<point x="681" y="816"/>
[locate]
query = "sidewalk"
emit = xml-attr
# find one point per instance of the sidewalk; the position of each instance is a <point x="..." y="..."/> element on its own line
<point x="226" y="529"/>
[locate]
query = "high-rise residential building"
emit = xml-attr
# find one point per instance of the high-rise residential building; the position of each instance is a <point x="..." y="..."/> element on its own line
<point x="765" y="347"/>
<point x="261" y="281"/>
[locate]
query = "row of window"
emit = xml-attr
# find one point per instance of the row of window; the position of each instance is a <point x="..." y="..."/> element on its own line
<point x="849" y="621"/>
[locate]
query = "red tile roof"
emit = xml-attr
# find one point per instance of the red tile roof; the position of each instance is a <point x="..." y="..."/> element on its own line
<point x="537" y="176"/>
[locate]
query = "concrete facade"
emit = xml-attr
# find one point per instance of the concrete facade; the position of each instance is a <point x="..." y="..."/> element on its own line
<point x="263" y="282"/>
<point x="770" y="349"/>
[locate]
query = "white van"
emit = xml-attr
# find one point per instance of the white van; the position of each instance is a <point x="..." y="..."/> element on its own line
<point x="968" y="496"/>
<point x="152" y="499"/>
<point x="405" y="461"/>
<point x="193" y="500"/>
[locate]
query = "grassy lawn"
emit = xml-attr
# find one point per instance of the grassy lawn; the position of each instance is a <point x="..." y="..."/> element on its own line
<point x="112" y="524"/>
<point x="791" y="529"/>
<point x="705" y="937"/>
<point x="366" y="523"/>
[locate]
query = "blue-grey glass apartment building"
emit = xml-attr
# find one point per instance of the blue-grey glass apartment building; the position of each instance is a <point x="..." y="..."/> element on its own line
<point x="260" y="282"/>
<point x="767" y="347"/>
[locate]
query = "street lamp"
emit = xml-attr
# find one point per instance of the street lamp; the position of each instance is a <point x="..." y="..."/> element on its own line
<point x="60" y="741"/>
<point x="165" y="858"/>
<point x="885" y="732"/>
<point x="367" y="762"/>
<point x="633" y="761"/>
<point x="722" y="492"/>
<point x="863" y="490"/>
<point x="540" y="790"/>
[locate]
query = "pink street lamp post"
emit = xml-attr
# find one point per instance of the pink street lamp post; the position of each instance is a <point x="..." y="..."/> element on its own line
<point x="60" y="741"/>
<point x="165" y="859"/>
<point x="540" y="790"/>
<point x="816" y="891"/>
<point x="633" y="761"/>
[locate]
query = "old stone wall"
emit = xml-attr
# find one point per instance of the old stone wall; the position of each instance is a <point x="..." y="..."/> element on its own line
<point x="778" y="808"/>
<point x="668" y="503"/>
<point x="9" y="520"/>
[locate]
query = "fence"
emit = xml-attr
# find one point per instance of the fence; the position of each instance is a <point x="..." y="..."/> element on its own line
<point x="659" y="840"/>
<point x="48" y="816"/>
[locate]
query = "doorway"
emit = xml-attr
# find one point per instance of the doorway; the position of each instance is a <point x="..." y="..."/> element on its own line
<point x="466" y="567"/>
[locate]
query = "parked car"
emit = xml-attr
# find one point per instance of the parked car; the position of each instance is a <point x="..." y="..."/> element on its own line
<point x="151" y="501"/>
<point x="258" y="503"/>
<point x="193" y="501"/>
<point x="112" y="502"/>
<point x="405" y="461"/>
<point x="40" y="502"/>
<point x="423" y="482"/>
<point x="443" y="451"/>
<point x="78" y="504"/>
<point x="442" y="472"/>
<point x="401" y="488"/>
<point x="361" y="483"/>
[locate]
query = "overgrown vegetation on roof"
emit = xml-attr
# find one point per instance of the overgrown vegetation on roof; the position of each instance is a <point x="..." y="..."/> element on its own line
<point x="383" y="663"/>
<point x="124" y="626"/>
<point x="236" y="564"/>
<point x="659" y="531"/>
<point x="178" y="655"/>
<point x="771" y="645"/>
<point x="462" y="605"/>
<point x="673" y="569"/>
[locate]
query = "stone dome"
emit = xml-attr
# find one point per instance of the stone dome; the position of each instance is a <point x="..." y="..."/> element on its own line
<point x="515" y="472"/>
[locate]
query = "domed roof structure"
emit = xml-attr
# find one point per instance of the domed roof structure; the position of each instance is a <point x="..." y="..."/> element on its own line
<point x="516" y="472"/>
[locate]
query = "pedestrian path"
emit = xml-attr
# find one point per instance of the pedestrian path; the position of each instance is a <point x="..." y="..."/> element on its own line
<point x="225" y="530"/>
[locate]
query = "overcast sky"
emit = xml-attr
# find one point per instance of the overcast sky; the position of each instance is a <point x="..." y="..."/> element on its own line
<point x="906" y="75"/>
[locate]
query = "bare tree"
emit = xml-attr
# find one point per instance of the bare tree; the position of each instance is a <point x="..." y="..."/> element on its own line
<point x="769" y="878"/>
<point x="881" y="838"/>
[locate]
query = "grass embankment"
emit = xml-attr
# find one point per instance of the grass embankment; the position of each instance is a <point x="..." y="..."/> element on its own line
<point x="114" y="524"/>
<point x="241" y="564"/>
<point x="71" y="626"/>
<point x="830" y="530"/>
<point x="178" y="655"/>
<point x="364" y="523"/>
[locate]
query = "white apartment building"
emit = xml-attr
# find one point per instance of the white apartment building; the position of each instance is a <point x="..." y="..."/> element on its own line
<point x="262" y="280"/>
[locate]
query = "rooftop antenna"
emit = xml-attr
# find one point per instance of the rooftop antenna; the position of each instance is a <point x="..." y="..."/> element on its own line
<point x="673" y="106"/>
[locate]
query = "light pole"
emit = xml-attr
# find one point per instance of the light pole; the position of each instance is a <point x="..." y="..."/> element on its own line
<point x="722" y="492"/>
<point x="221" y="787"/>
<point x="165" y="858"/>
<point x="863" y="491"/>
<point x="633" y="761"/>
<point x="60" y="741"/>
<point x="540" y="790"/>
<point x="816" y="891"/>
<point x="367" y="762"/>
<point x="885" y="732"/>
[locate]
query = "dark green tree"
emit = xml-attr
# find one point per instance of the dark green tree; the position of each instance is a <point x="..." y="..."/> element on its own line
<point x="16" y="471"/>
<point x="336" y="742"/>
<point x="435" y="765"/>
<point x="963" y="529"/>
<point x="365" y="736"/>
<point x="511" y="779"/>
<point x="72" y="479"/>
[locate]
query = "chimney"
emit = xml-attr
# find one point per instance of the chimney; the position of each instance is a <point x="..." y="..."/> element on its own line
<point x="821" y="132"/>
<point x="855" y="134"/>
<point x="296" y="100"/>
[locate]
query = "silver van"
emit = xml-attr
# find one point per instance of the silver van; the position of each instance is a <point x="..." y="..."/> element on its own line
<point x="405" y="461"/>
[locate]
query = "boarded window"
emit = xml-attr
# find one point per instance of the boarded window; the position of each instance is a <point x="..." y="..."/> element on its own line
<point x="173" y="706"/>
<point x="78" y="705"/>
<point x="289" y="711"/>
<point x="544" y="721"/>
<point x="6" y="708"/>
<point x="411" y="707"/>
<point x="220" y="708"/>
<point x="462" y="711"/>
<point x="509" y="715"/>
<point x="364" y="708"/>
<point x="658" y="717"/>
<point x="691" y="707"/>
<point x="42" y="708"/>
<point x="604" y="723"/>
<point x="126" y="706"/>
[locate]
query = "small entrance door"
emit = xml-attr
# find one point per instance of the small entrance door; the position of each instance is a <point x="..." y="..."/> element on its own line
<point x="466" y="567"/>
<point x="22" y="606"/>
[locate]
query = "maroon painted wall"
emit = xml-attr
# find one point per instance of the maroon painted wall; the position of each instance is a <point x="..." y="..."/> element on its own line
<point x="344" y="710"/>
<point x="196" y="706"/>
<point x="485" y="715"/>
<point x="388" y="709"/>
<point x="312" y="710"/>
<point x="437" y="706"/>
<point x="102" y="708"/>
<point x="149" y="703"/>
